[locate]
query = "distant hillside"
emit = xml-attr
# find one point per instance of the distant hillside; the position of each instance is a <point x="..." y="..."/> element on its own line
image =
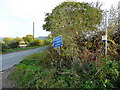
<point x="41" y="37"/>
<point x="1" y="38"/>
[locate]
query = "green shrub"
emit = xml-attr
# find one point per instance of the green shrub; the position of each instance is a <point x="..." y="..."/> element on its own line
<point x="7" y="40"/>
<point x="47" y="42"/>
<point x="14" y="44"/>
<point x="5" y="47"/>
<point x="36" y="71"/>
<point x="36" y="43"/>
<point x="11" y="45"/>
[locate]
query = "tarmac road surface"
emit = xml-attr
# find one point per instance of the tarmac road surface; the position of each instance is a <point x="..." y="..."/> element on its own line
<point x="11" y="59"/>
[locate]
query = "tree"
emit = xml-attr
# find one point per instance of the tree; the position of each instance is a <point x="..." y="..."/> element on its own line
<point x="28" y="38"/>
<point x="72" y="20"/>
<point x="36" y="42"/>
<point x="5" y="46"/>
<point x="18" y="39"/>
<point x="8" y="40"/>
<point x="14" y="44"/>
<point x="72" y="17"/>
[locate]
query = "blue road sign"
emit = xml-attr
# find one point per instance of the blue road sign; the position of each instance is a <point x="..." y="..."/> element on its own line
<point x="57" y="41"/>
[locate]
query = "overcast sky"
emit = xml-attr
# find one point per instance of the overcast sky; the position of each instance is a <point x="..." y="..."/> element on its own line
<point x="17" y="16"/>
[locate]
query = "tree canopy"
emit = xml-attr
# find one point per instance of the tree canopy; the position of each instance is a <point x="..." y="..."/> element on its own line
<point x="72" y="18"/>
<point x="28" y="38"/>
<point x="18" y="39"/>
<point x="7" y="40"/>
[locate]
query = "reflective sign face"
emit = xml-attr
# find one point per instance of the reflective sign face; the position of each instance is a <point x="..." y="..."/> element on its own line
<point x="57" y="41"/>
<point x="104" y="38"/>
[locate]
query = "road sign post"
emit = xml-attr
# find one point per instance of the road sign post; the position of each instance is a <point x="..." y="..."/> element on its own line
<point x="59" y="62"/>
<point x="106" y="31"/>
<point x="57" y="44"/>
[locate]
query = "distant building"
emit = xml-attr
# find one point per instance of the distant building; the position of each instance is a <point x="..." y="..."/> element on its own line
<point x="22" y="44"/>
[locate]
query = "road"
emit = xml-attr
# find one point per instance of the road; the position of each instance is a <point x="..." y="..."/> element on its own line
<point x="9" y="60"/>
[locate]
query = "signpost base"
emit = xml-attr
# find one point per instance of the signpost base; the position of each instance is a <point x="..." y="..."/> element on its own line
<point x="59" y="61"/>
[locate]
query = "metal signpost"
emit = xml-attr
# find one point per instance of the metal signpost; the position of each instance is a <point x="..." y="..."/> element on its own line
<point x="57" y="44"/>
<point x="104" y="38"/>
<point x="106" y="31"/>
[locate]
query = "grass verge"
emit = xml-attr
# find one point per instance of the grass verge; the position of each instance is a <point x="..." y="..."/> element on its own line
<point x="27" y="71"/>
<point x="17" y="49"/>
<point x="35" y="71"/>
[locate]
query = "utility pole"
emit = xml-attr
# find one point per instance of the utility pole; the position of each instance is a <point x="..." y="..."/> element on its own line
<point x="119" y="15"/>
<point x="33" y="30"/>
<point x="106" y="31"/>
<point x="119" y="19"/>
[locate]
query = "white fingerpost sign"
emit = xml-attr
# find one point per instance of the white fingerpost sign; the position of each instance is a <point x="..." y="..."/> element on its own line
<point x="104" y="38"/>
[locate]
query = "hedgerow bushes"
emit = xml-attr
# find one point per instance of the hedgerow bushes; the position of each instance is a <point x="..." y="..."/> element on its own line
<point x="36" y="43"/>
<point x="11" y="45"/>
<point x="36" y="71"/>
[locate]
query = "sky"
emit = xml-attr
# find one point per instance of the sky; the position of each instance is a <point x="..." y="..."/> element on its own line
<point x="17" y="16"/>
